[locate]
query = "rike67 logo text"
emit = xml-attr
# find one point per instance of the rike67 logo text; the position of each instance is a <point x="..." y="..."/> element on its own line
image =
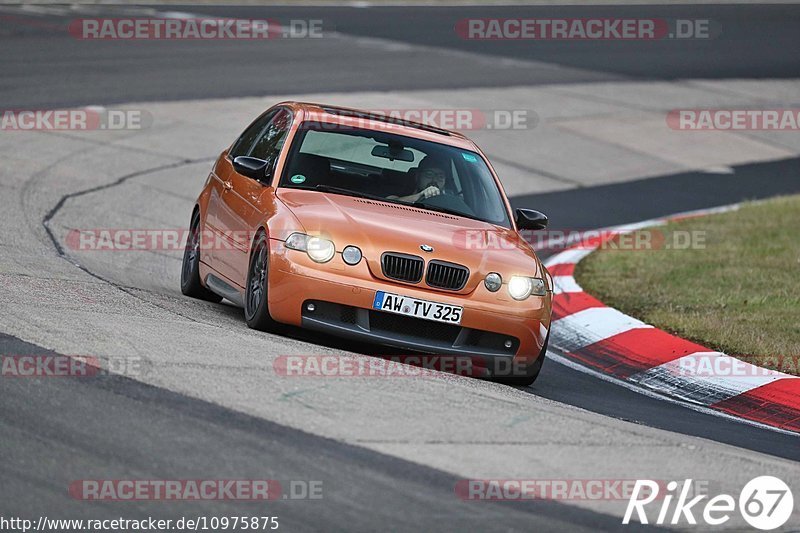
<point x="765" y="503"/>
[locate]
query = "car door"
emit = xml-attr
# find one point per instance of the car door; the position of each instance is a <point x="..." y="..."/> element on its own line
<point x="238" y="213"/>
<point x="217" y="216"/>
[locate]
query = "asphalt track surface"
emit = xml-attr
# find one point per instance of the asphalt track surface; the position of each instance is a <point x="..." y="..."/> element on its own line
<point x="120" y="428"/>
<point x="162" y="435"/>
<point x="44" y="66"/>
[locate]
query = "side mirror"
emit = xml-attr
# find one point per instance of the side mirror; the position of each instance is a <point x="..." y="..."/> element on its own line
<point x="530" y="219"/>
<point x="252" y="167"/>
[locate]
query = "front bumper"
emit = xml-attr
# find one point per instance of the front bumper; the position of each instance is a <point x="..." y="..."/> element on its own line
<point x="405" y="332"/>
<point x="343" y="307"/>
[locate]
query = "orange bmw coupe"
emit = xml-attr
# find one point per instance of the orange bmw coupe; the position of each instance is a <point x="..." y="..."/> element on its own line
<point x="375" y="229"/>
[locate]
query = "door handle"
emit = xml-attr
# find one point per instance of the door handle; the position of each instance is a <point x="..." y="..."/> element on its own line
<point x="227" y="185"/>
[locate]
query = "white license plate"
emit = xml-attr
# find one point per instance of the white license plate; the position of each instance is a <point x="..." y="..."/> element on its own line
<point x="405" y="305"/>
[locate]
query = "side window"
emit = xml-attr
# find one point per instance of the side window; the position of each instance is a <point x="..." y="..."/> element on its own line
<point x="269" y="145"/>
<point x="245" y="141"/>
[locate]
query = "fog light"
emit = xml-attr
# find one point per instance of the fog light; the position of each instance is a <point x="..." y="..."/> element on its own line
<point x="508" y="344"/>
<point x="351" y="255"/>
<point x="311" y="308"/>
<point x="493" y="282"/>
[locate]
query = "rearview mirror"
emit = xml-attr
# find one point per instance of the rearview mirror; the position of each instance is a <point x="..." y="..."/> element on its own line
<point x="252" y="167"/>
<point x="530" y="219"/>
<point x="392" y="153"/>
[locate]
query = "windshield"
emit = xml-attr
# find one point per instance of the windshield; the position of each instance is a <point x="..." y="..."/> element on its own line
<point x="393" y="168"/>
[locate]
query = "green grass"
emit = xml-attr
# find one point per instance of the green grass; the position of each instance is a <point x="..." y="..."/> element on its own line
<point x="736" y="292"/>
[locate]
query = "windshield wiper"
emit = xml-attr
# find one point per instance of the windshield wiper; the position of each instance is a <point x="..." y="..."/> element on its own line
<point x="347" y="192"/>
<point x="423" y="205"/>
<point x="419" y="205"/>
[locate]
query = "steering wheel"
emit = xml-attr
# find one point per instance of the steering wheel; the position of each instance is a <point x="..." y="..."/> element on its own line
<point x="448" y="201"/>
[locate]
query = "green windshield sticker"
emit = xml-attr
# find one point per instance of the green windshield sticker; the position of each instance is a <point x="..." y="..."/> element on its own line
<point x="298" y="178"/>
<point x="469" y="157"/>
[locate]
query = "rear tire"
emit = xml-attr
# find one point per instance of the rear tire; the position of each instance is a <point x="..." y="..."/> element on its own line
<point x="190" y="269"/>
<point x="531" y="372"/>
<point x="256" y="300"/>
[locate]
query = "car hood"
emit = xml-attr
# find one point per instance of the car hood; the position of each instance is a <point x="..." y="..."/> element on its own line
<point x="377" y="227"/>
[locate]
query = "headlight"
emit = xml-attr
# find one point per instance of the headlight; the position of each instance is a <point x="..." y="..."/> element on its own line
<point x="520" y="287"/>
<point x="320" y="250"/>
<point x="539" y="287"/>
<point x="351" y="255"/>
<point x="297" y="241"/>
<point x="493" y="282"/>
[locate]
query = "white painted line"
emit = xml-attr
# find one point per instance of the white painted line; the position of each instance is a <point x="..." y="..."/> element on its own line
<point x="592" y="325"/>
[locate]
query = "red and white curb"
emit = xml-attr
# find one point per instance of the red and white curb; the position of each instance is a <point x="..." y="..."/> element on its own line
<point x="603" y="341"/>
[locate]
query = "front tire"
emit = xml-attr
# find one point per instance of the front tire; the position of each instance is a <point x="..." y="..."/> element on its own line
<point x="190" y="269"/>
<point x="256" y="301"/>
<point x="531" y="372"/>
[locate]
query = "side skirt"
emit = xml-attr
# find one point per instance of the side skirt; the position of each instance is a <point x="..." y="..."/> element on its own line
<point x="224" y="289"/>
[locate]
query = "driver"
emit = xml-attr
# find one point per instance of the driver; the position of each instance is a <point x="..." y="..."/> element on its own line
<point x="431" y="178"/>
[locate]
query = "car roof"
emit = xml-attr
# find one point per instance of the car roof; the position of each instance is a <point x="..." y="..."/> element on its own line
<point x="378" y="121"/>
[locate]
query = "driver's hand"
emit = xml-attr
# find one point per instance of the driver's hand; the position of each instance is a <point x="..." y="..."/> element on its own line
<point x="429" y="191"/>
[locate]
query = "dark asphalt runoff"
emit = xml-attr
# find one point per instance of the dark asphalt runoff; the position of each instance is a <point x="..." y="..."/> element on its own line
<point x="55" y="430"/>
